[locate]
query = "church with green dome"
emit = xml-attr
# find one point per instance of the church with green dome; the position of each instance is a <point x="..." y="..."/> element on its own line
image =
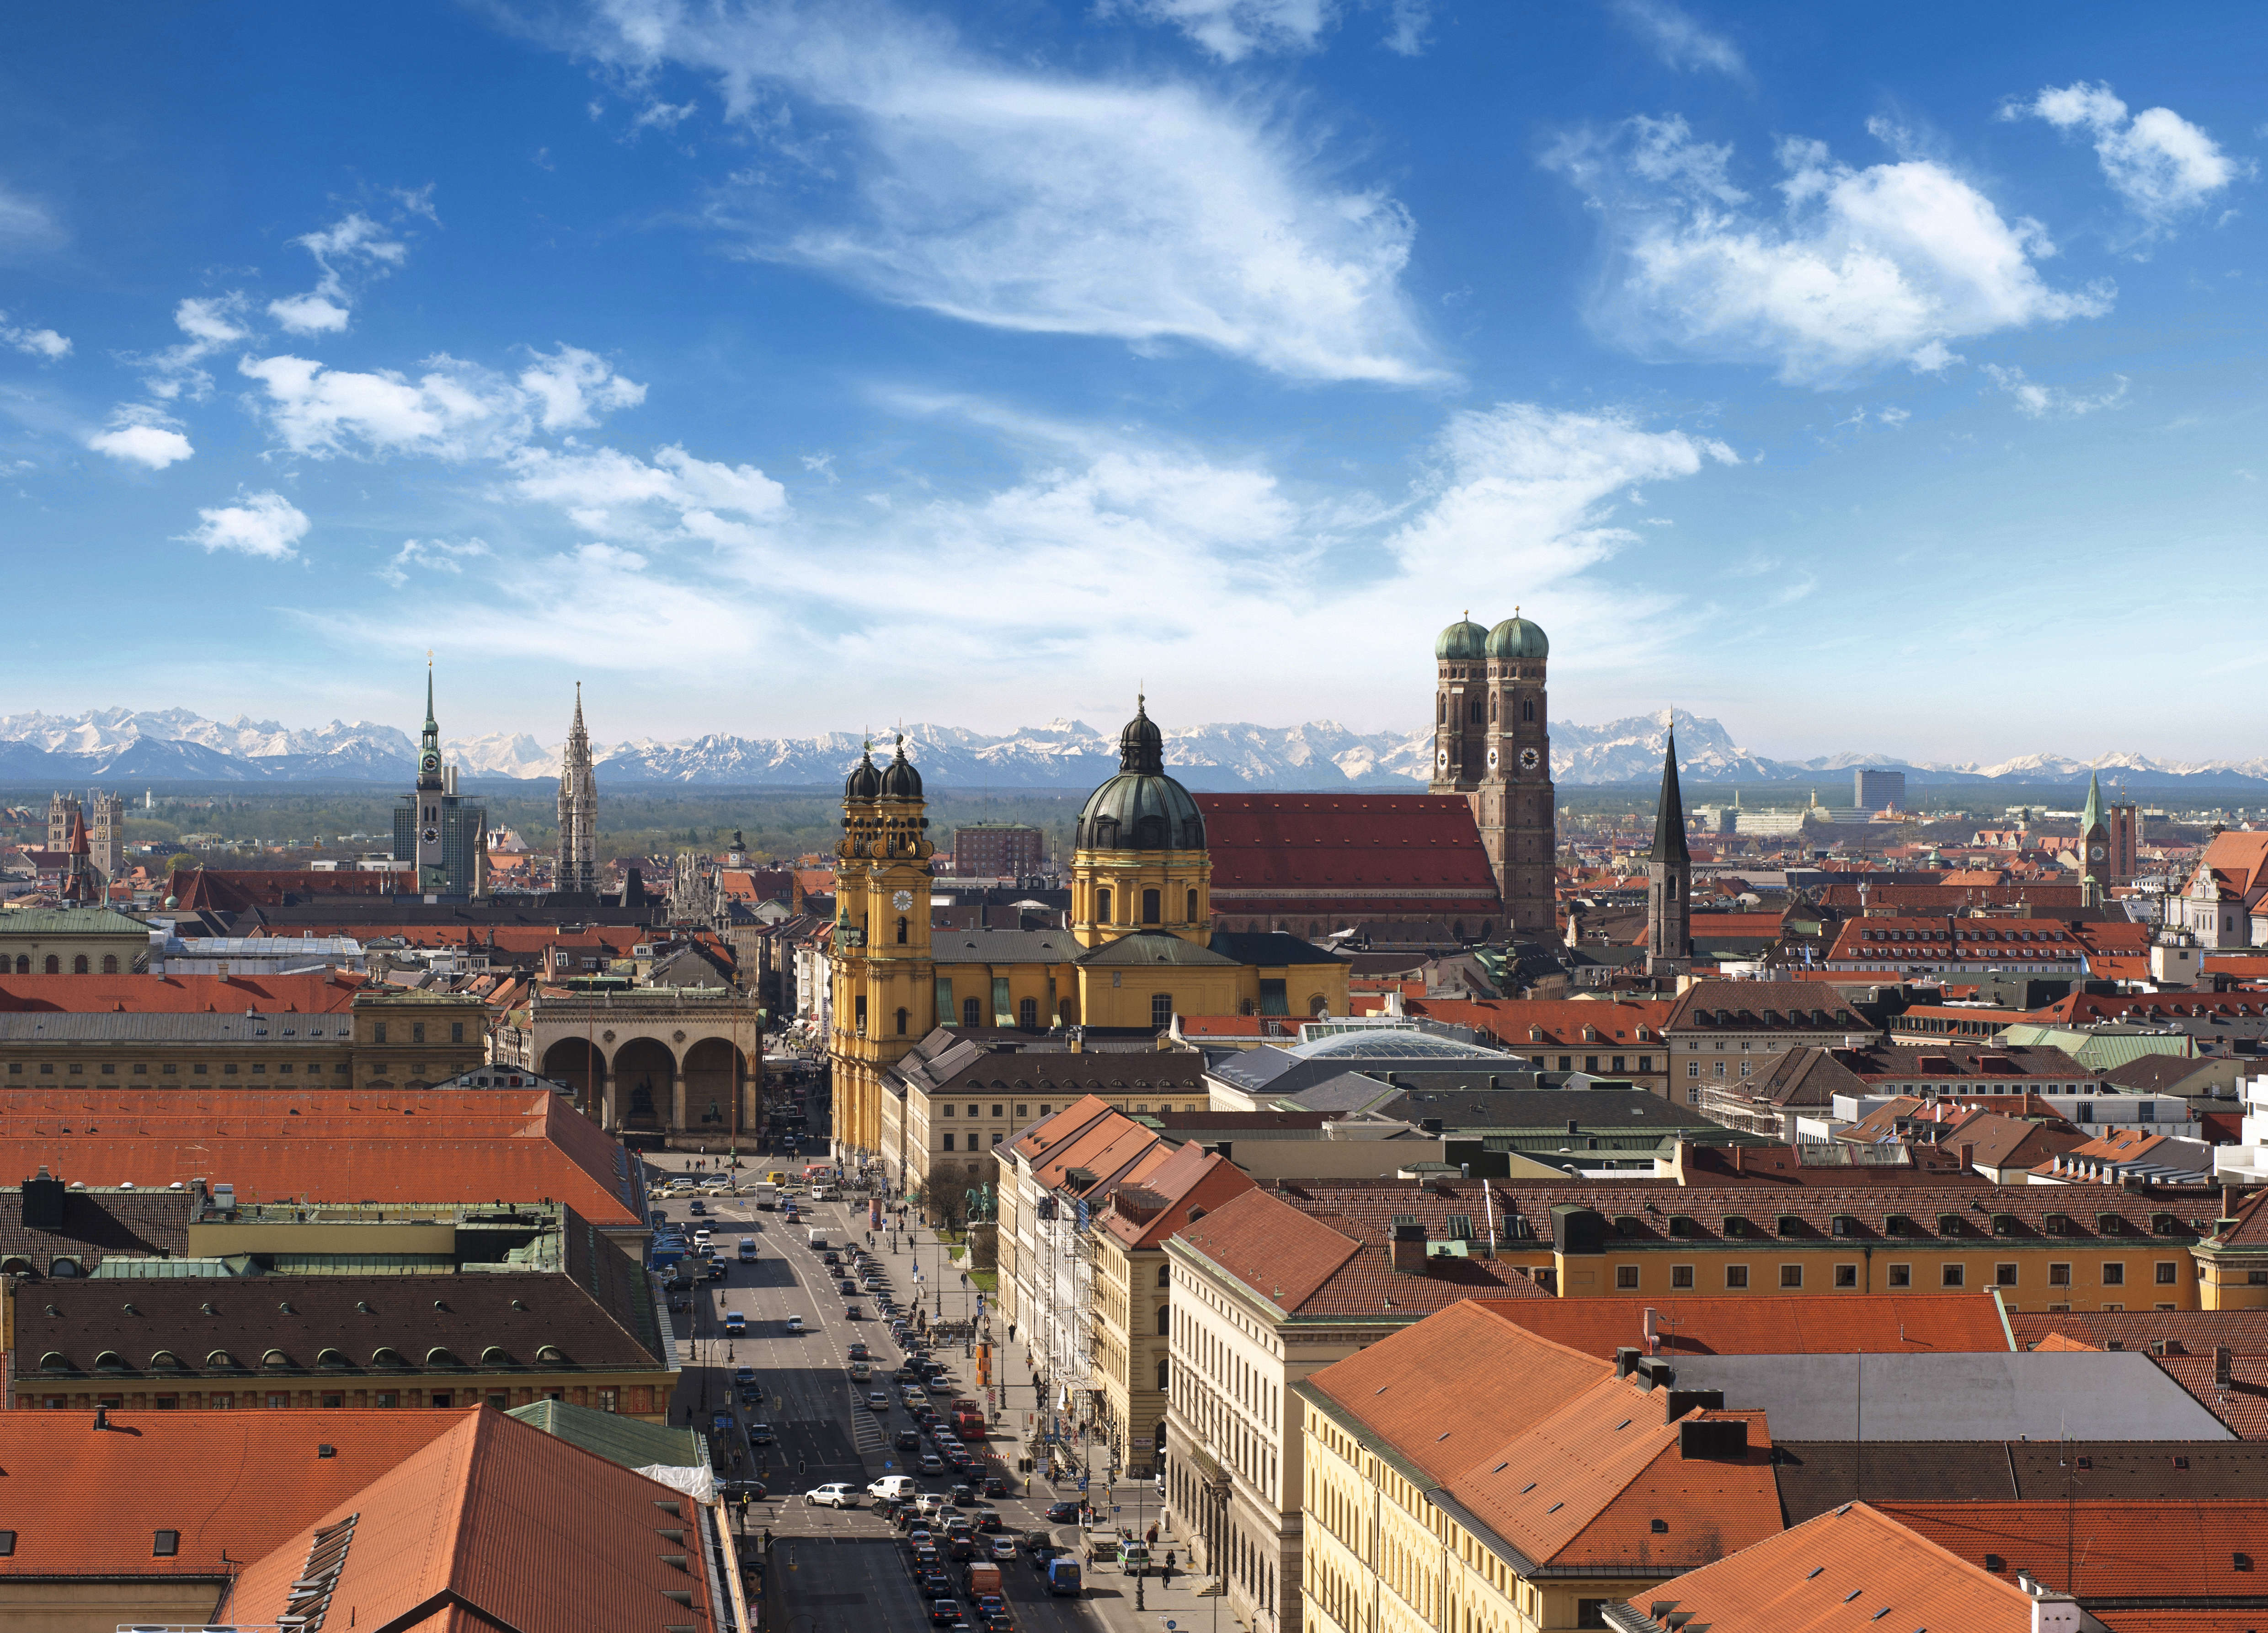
<point x="1492" y="744"/>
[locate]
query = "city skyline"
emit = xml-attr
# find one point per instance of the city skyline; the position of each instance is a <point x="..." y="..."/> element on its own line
<point x="781" y="365"/>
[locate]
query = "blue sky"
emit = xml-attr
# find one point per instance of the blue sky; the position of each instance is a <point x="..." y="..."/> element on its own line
<point x="1881" y="377"/>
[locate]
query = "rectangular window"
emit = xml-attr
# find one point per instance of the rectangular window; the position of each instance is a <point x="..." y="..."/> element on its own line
<point x="2169" y="1272"/>
<point x="377" y="1032"/>
<point x="1274" y="999"/>
<point x="2059" y="1275"/>
<point x="1618" y="1063"/>
<point x="1023" y="1110"/>
<point x="947" y="1146"/>
<point x="1790" y="1275"/>
<point x="2114" y="1273"/>
<point x="997" y="1110"/>
<point x="2004" y="1276"/>
<point x="388" y="1399"/>
<point x="996" y="1139"/>
<point x="945" y="1009"/>
<point x="972" y="1012"/>
<point x="944" y="1108"/>
<point x="1645" y="1063"/>
<point x="1590" y="1062"/>
<point x="1847" y="1275"/>
<point x="1566" y="1062"/>
<point x="222" y="1403"/>
<point x="1953" y="1276"/>
<point x="1736" y="1277"/>
<point x="1003" y="1008"/>
<point x="1162" y="1010"/>
<point x="1680" y="1275"/>
<point x="443" y="1399"/>
<point x="417" y="1032"/>
<point x="1693" y="1069"/>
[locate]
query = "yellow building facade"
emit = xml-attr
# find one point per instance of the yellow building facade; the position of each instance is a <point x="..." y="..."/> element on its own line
<point x="1142" y="947"/>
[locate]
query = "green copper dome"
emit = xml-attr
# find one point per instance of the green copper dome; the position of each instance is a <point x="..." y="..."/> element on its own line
<point x="1464" y="639"/>
<point x="1517" y="638"/>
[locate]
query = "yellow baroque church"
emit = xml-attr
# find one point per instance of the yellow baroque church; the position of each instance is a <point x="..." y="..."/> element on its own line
<point x="1142" y="946"/>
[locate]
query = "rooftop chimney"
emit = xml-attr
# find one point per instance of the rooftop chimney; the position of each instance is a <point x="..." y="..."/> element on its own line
<point x="1410" y="1250"/>
<point x="1968" y="1158"/>
<point x="1653" y="1337"/>
<point x="43" y="1201"/>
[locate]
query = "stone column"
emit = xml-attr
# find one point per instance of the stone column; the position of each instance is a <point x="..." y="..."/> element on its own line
<point x="676" y="1098"/>
<point x="611" y="1111"/>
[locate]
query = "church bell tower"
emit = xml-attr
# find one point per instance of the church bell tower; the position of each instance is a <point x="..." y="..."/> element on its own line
<point x="1492" y="744"/>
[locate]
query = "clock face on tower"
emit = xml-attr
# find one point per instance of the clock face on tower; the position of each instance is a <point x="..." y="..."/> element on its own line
<point x="1528" y="757"/>
<point x="432" y="763"/>
<point x="902" y="900"/>
<point x="431" y="836"/>
<point x="1492" y="759"/>
<point x="2094" y="853"/>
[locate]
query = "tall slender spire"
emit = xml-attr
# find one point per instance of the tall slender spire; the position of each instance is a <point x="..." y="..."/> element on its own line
<point x="429" y="746"/>
<point x="578" y="867"/>
<point x="1669" y="812"/>
<point x="2092" y="815"/>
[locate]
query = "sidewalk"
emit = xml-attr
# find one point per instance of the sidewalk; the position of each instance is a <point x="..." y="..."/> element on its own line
<point x="1111" y="1597"/>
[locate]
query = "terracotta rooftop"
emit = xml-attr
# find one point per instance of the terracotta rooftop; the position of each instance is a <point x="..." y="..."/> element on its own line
<point x="1855" y="1570"/>
<point x="334" y="1146"/>
<point x="2138" y="1549"/>
<point x="88" y="1502"/>
<point x="1192" y="1181"/>
<point x="1563" y="1463"/>
<point x="1735" y="1324"/>
<point x="328" y="992"/>
<point x="1340" y="845"/>
<point x="498" y="1525"/>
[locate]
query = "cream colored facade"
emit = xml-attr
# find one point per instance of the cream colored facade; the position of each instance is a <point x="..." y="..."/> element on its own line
<point x="1381" y="1558"/>
<point x="1235" y="1459"/>
<point x="1132" y="1292"/>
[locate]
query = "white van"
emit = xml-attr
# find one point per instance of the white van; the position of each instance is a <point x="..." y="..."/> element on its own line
<point x="819" y="1239"/>
<point x="892" y="1486"/>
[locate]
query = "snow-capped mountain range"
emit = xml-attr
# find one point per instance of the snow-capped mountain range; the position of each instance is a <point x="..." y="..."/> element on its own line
<point x="174" y="745"/>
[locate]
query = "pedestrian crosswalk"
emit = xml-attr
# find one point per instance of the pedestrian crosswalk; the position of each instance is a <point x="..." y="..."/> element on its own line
<point x="867" y="1433"/>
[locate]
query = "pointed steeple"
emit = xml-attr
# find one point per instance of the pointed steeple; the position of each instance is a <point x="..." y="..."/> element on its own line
<point x="429" y="745"/>
<point x="1669" y="812"/>
<point x="2092" y="815"/>
<point x="578" y="709"/>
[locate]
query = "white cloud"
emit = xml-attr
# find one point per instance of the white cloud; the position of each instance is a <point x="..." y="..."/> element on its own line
<point x="308" y="314"/>
<point x="2040" y="402"/>
<point x="1678" y="40"/>
<point x="1856" y="270"/>
<point x="210" y="322"/>
<point x="1406" y="21"/>
<point x="433" y="555"/>
<point x="1149" y="211"/>
<point x="574" y="385"/>
<point x="2161" y="165"/>
<point x="605" y="490"/>
<point x="454" y="410"/>
<point x="1233" y="30"/>
<point x="354" y="241"/>
<point x="266" y="525"/>
<point x="141" y="435"/>
<point x="43" y="344"/>
<point x="27" y="227"/>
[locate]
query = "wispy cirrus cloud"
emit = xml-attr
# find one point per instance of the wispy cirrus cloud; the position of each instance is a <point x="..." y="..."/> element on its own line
<point x="1855" y="270"/>
<point x="453" y="409"/>
<point x="2038" y="402"/>
<point x="430" y="556"/>
<point x="2163" y="167"/>
<point x="1678" y="40"/>
<point x="1147" y="210"/>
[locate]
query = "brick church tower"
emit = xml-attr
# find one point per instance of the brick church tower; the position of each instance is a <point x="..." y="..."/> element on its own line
<point x="1492" y="744"/>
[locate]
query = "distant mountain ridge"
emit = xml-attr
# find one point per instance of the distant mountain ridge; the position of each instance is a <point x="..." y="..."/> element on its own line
<point x="174" y="745"/>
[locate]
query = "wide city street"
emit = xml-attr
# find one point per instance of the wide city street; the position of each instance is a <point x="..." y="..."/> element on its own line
<point x="780" y="1402"/>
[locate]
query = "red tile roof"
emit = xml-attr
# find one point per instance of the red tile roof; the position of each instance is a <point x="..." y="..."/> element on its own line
<point x="1558" y="1458"/>
<point x="1738" y="1325"/>
<point x="506" y="1526"/>
<point x="1193" y="1180"/>
<point x="334" y="1146"/>
<point x="329" y="992"/>
<point x="86" y="1502"/>
<point x="1513" y="1021"/>
<point x="233" y="890"/>
<point x="2133" y="1549"/>
<point x="1853" y="1570"/>
<point x="1267" y="845"/>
